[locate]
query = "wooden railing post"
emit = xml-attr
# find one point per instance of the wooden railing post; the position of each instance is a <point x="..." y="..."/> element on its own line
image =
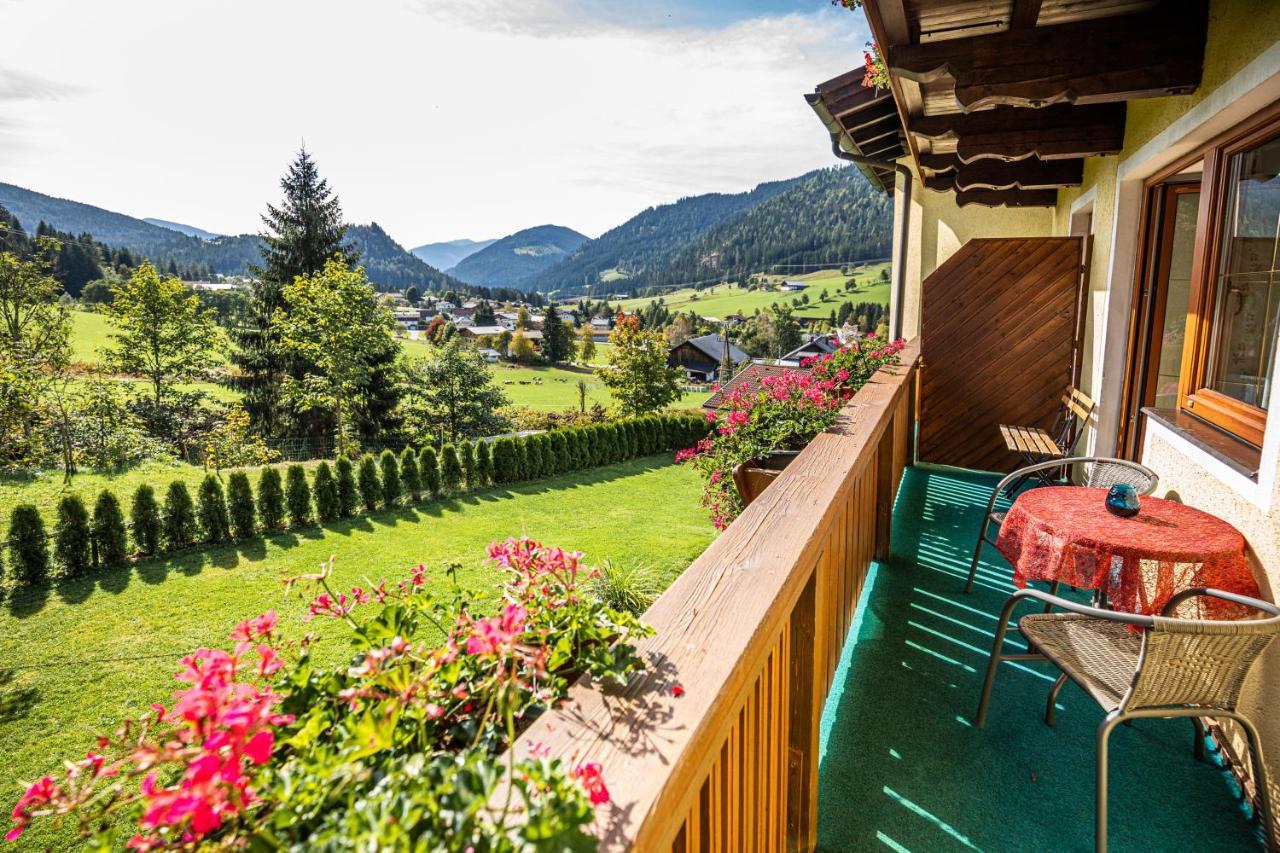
<point x="884" y="492"/>
<point x="802" y="738"/>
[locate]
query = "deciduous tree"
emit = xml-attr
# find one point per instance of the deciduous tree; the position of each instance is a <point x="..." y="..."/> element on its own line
<point x="452" y="394"/>
<point x="637" y="373"/>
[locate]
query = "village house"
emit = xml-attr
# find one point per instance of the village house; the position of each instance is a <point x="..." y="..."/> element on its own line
<point x="701" y="358"/>
<point x="813" y="347"/>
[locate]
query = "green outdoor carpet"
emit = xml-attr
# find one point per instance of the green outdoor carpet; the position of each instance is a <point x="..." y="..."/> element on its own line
<point x="904" y="769"/>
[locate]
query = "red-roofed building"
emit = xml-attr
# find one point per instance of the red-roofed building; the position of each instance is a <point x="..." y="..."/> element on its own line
<point x="749" y="379"/>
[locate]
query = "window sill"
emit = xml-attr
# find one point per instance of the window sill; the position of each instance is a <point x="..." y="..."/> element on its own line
<point x="1226" y="448"/>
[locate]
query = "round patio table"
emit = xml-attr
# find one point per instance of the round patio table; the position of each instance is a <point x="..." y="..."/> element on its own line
<point x="1066" y="534"/>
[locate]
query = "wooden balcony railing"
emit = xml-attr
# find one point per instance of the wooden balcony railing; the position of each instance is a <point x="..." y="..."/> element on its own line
<point x="752" y="631"/>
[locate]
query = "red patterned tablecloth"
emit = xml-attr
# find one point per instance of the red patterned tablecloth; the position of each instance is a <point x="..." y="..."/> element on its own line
<point x="1066" y="533"/>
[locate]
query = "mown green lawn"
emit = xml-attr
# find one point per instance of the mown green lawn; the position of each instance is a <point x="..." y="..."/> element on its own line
<point x="77" y="658"/>
<point x="725" y="299"/>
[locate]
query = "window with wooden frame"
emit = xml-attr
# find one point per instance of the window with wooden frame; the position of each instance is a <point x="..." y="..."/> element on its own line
<point x="1234" y="304"/>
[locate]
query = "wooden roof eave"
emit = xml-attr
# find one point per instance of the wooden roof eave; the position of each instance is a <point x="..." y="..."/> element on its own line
<point x="878" y="177"/>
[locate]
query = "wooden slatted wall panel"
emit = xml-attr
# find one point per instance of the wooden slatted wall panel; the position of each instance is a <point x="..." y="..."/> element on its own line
<point x="996" y="331"/>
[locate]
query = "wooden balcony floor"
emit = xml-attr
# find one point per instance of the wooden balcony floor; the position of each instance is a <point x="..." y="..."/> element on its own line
<point x="902" y="766"/>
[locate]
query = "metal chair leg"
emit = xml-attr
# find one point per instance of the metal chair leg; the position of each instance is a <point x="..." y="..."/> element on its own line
<point x="1053" y="590"/>
<point x="989" y="681"/>
<point x="1050" y="711"/>
<point x="1265" y="815"/>
<point x="977" y="554"/>
<point x="1197" y="746"/>
<point x="1100" y="794"/>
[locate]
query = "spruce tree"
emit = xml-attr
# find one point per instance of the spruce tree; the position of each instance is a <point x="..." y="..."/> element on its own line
<point x="297" y="495"/>
<point x="179" y="517"/>
<point x="410" y="482"/>
<point x="301" y="234"/>
<point x="467" y="461"/>
<point x="370" y="487"/>
<point x="240" y="505"/>
<point x="270" y="499"/>
<point x="390" y="478"/>
<point x="348" y="493"/>
<point x="484" y="464"/>
<point x="71" y="542"/>
<point x="429" y="471"/>
<point x="557" y="344"/>
<point x="110" y="542"/>
<point x="212" y="510"/>
<point x="325" y="489"/>
<point x="144" y="519"/>
<point x="28" y="546"/>
<point x="450" y="470"/>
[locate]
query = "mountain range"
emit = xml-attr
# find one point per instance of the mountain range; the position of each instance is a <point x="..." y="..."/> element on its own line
<point x="451" y="252"/>
<point x="520" y="256"/>
<point x="189" y="230"/>
<point x="387" y="263"/>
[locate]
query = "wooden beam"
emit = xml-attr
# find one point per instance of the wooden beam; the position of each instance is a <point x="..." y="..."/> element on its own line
<point x="988" y="174"/>
<point x="1101" y="60"/>
<point x="1025" y="14"/>
<point x="1008" y="198"/>
<point x="1009" y="133"/>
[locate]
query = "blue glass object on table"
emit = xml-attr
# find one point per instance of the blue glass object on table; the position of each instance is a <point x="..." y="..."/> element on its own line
<point x="1122" y="500"/>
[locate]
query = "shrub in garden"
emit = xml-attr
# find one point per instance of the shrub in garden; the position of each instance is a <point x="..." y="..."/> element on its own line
<point x="110" y="542"/>
<point x="599" y="453"/>
<point x="556" y="451"/>
<point x="297" y="494"/>
<point x="467" y="460"/>
<point x="450" y="470"/>
<point x="434" y="762"/>
<point x="179" y="517"/>
<point x="627" y="588"/>
<point x="549" y="465"/>
<point x="370" y="486"/>
<point x="520" y="455"/>
<point x="270" y="499"/>
<point x="502" y="452"/>
<point x="240" y="505"/>
<point x="212" y="510"/>
<point x="532" y="457"/>
<point x="580" y="446"/>
<point x="28" y="546"/>
<point x="410" y="481"/>
<point x="71" y="542"/>
<point x="144" y="519"/>
<point x="429" y="471"/>
<point x="325" y="490"/>
<point x="390" y="478"/>
<point x="348" y="492"/>
<point x="484" y="463"/>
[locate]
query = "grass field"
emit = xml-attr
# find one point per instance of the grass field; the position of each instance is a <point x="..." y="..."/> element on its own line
<point x="725" y="299"/>
<point x="79" y="657"/>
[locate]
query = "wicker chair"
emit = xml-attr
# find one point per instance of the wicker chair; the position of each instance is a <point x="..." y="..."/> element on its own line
<point x="1171" y="668"/>
<point x="1101" y="472"/>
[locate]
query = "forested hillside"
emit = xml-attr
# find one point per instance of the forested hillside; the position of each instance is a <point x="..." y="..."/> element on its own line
<point x="648" y="241"/>
<point x="513" y="259"/>
<point x="827" y="217"/>
<point x="387" y="263"/>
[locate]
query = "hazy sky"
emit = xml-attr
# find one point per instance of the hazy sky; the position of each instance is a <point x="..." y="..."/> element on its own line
<point x="436" y="118"/>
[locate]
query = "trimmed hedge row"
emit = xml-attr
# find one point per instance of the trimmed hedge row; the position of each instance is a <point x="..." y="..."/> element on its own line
<point x="81" y="541"/>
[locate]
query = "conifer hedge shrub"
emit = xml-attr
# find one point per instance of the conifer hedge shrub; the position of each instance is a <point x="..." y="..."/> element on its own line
<point x="212" y="510"/>
<point x="596" y="435"/>
<point x="450" y="470"/>
<point x="429" y="471"/>
<point x="503" y="460"/>
<point x="297" y="494"/>
<point x="410" y="481"/>
<point x="325" y="490"/>
<point x="179" y="517"/>
<point x="390" y="478"/>
<point x="532" y="457"/>
<point x="520" y="470"/>
<point x="581" y="448"/>
<point x="144" y="519"/>
<point x="270" y="499"/>
<point x="71" y="542"/>
<point x="557" y="449"/>
<point x="370" y="487"/>
<point x="28" y="546"/>
<point x="484" y="463"/>
<point x="348" y="492"/>
<point x="244" y="522"/>
<point x="467" y="460"/>
<point x="110" y="542"/>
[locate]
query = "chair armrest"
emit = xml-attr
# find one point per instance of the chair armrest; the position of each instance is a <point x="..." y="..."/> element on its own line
<point x="1243" y="600"/>
<point x="1136" y="619"/>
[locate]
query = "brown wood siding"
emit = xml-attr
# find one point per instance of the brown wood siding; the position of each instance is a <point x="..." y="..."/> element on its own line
<point x="997" y="330"/>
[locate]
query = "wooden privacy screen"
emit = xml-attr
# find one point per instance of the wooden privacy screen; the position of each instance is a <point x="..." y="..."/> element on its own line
<point x="997" y="332"/>
<point x="753" y="632"/>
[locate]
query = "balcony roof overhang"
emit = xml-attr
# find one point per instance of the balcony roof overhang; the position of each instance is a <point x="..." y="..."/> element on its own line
<point x="1001" y="102"/>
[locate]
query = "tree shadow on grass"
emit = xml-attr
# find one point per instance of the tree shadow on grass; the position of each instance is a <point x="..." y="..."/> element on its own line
<point x="15" y="702"/>
<point x="76" y="588"/>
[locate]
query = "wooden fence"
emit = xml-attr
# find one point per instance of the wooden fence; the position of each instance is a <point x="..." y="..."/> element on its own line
<point x="752" y="631"/>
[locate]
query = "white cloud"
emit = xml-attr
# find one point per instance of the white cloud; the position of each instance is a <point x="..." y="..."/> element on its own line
<point x="438" y="118"/>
